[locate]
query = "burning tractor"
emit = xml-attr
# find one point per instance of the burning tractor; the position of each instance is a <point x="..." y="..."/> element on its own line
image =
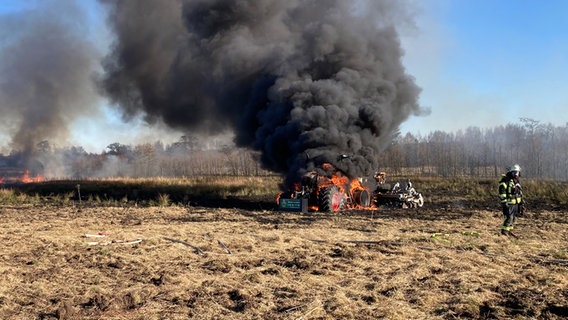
<point x="329" y="190"/>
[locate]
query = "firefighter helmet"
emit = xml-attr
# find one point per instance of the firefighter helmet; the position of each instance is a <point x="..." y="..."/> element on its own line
<point x="515" y="167"/>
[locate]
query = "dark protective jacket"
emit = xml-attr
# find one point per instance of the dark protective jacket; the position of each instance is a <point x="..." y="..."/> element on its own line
<point x="509" y="190"/>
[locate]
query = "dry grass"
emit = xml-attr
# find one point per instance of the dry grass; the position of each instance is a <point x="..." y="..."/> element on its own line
<point x="147" y="191"/>
<point x="435" y="263"/>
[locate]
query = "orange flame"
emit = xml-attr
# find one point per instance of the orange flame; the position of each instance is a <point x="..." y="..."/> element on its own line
<point x="27" y="179"/>
<point x="344" y="184"/>
<point x="328" y="166"/>
<point x="352" y="189"/>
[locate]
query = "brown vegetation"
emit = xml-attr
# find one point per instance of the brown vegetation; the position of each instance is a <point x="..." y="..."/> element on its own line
<point x="444" y="261"/>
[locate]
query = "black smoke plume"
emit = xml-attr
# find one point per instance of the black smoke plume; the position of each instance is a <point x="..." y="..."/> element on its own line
<point x="302" y="81"/>
<point x="46" y="73"/>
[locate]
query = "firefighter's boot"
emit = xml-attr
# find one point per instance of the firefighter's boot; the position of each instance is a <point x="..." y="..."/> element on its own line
<point x="504" y="232"/>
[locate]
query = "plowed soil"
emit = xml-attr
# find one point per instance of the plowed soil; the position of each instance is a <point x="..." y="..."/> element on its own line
<point x="208" y="262"/>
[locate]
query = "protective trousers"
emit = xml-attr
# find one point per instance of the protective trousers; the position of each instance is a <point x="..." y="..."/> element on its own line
<point x="510" y="212"/>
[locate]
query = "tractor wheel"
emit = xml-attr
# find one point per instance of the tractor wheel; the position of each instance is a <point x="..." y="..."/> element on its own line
<point x="362" y="198"/>
<point x="330" y="199"/>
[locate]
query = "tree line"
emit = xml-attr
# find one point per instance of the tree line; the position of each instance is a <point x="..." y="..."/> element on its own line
<point x="184" y="158"/>
<point x="540" y="149"/>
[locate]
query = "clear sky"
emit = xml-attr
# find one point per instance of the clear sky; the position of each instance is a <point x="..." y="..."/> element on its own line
<point x="479" y="63"/>
<point x="486" y="63"/>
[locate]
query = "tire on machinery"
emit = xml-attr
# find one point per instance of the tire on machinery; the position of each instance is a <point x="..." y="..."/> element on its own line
<point x="419" y="201"/>
<point x="330" y="199"/>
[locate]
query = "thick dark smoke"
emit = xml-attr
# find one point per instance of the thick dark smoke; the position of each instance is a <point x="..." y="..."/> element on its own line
<point x="302" y="81"/>
<point x="46" y="66"/>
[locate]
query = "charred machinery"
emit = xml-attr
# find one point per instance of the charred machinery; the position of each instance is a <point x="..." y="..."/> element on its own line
<point x="328" y="189"/>
<point x="402" y="195"/>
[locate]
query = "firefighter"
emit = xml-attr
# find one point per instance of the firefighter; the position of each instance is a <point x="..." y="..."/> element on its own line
<point x="510" y="195"/>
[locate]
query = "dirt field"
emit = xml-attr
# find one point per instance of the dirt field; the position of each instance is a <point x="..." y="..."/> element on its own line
<point x="442" y="262"/>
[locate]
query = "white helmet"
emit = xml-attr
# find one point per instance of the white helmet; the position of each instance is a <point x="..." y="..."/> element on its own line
<point x="515" y="167"/>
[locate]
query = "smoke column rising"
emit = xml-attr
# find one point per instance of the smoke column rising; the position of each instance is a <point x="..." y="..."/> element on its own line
<point x="301" y="81"/>
<point x="46" y="73"/>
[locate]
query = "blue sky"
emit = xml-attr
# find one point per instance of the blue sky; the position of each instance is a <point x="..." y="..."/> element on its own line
<point x="486" y="63"/>
<point x="480" y="63"/>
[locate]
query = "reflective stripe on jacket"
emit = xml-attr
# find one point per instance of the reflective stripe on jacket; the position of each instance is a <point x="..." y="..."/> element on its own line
<point x="507" y="192"/>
